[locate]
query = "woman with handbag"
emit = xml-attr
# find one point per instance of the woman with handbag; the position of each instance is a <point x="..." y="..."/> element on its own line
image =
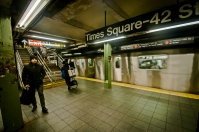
<point x="65" y="69"/>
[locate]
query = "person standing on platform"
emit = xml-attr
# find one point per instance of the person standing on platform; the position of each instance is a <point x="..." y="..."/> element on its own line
<point x="43" y="52"/>
<point x="32" y="76"/>
<point x="71" y="64"/>
<point x="66" y="68"/>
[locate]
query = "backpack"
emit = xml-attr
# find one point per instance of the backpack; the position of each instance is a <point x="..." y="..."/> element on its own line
<point x="63" y="74"/>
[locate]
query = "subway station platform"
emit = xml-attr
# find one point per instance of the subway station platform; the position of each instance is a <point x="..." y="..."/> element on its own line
<point x="124" y="108"/>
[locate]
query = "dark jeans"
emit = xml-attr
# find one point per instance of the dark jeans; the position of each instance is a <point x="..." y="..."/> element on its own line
<point x="41" y="97"/>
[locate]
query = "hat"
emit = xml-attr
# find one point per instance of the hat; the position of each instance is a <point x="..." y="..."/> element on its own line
<point x="33" y="57"/>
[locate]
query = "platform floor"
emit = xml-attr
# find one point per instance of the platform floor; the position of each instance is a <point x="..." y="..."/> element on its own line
<point x="124" y="108"/>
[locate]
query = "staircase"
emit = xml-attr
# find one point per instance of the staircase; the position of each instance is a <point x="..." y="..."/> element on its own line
<point x="25" y="56"/>
<point x="54" y="71"/>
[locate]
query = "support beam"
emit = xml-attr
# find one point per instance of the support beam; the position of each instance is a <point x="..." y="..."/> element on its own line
<point x="107" y="64"/>
<point x="9" y="95"/>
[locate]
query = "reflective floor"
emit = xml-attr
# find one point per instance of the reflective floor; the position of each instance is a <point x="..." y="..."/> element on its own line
<point x="124" y="108"/>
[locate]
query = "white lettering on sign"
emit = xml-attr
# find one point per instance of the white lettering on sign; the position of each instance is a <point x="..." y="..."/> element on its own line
<point x="94" y="36"/>
<point x="38" y="43"/>
<point x="197" y="8"/>
<point x="124" y="28"/>
<point x="184" y="11"/>
<point x="187" y="12"/>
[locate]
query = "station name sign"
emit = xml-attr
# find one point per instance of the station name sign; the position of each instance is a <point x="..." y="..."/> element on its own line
<point x="167" y="42"/>
<point x="176" y="14"/>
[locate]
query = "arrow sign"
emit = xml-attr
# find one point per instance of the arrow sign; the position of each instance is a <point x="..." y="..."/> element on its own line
<point x="24" y="41"/>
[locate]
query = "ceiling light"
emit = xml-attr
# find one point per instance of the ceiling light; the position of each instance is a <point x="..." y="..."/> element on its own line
<point x="31" y="11"/>
<point x="67" y="54"/>
<point x="58" y="40"/>
<point x="175" y="26"/>
<point x="82" y="46"/>
<point x="77" y="53"/>
<point x="109" y="40"/>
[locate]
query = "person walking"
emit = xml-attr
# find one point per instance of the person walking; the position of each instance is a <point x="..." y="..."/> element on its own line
<point x="66" y="68"/>
<point x="32" y="76"/>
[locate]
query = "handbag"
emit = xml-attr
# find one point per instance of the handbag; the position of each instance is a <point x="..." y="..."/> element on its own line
<point x="26" y="97"/>
<point x="71" y="73"/>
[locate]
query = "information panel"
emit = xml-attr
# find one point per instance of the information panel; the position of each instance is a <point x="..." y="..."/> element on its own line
<point x="167" y="42"/>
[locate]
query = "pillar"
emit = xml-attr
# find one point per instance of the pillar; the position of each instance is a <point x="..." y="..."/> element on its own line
<point x="107" y="65"/>
<point x="9" y="95"/>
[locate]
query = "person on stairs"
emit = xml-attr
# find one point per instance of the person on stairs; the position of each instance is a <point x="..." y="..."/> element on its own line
<point x="66" y="68"/>
<point x="32" y="76"/>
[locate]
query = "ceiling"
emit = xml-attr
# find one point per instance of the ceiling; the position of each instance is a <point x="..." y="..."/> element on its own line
<point x="71" y="19"/>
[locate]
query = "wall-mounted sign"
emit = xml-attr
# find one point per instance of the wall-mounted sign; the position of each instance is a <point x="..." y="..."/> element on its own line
<point x="176" y="41"/>
<point x="40" y="43"/>
<point x="176" y="14"/>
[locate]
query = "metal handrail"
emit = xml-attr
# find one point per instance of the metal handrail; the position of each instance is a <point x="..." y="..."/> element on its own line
<point x="20" y="67"/>
<point x="30" y="51"/>
<point x="60" y="61"/>
<point x="46" y="68"/>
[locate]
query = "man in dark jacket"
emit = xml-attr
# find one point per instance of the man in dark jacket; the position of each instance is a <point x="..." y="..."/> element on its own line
<point x="33" y="75"/>
<point x="66" y="68"/>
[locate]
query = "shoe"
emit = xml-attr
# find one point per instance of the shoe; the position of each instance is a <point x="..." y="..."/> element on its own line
<point x="44" y="110"/>
<point x="34" y="108"/>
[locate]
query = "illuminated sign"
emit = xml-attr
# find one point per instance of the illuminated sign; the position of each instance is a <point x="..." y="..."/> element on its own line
<point x="40" y="43"/>
<point x="174" y="15"/>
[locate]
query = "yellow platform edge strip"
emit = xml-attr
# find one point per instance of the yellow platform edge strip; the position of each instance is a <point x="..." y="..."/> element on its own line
<point x="180" y="94"/>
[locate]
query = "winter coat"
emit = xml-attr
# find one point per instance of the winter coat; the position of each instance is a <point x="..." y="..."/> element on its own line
<point x="33" y="75"/>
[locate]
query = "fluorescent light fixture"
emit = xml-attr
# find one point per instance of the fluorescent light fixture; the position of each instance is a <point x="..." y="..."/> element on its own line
<point x="175" y="26"/>
<point x="58" y="40"/>
<point x="67" y="54"/>
<point x="77" y="53"/>
<point x="32" y="10"/>
<point x="75" y="48"/>
<point x="64" y="52"/>
<point x="81" y="46"/>
<point x="109" y="40"/>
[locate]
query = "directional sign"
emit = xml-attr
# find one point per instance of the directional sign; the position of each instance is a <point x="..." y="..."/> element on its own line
<point x="41" y="43"/>
<point x="24" y="41"/>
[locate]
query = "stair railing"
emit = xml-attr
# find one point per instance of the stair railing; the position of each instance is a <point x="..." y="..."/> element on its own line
<point x="60" y="61"/>
<point x="20" y="67"/>
<point x="46" y="68"/>
<point x="30" y="51"/>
